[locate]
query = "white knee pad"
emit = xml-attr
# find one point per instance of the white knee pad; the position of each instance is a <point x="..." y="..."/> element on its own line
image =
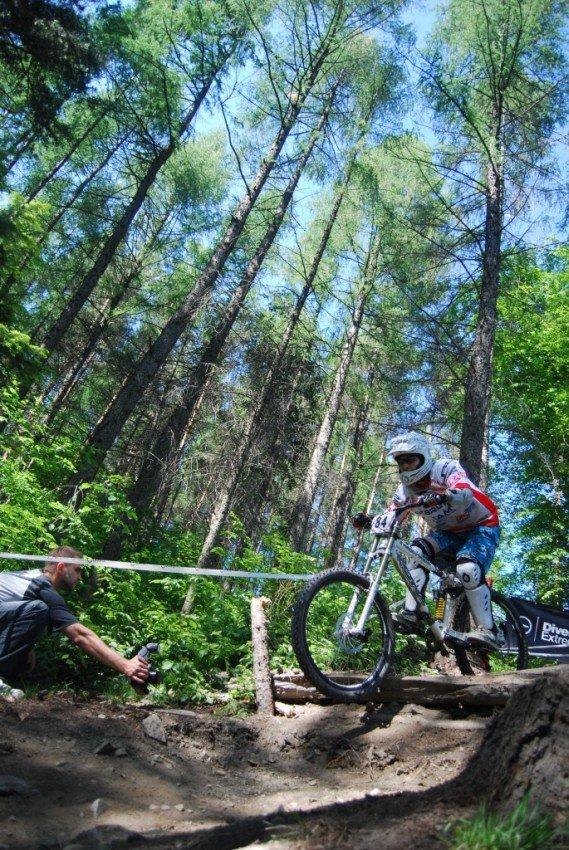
<point x="420" y="577"/>
<point x="477" y="592"/>
<point x="470" y="574"/>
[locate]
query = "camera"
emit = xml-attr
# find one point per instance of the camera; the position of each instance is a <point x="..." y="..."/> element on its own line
<point x="154" y="677"/>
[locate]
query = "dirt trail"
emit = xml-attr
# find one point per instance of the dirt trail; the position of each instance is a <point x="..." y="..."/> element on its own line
<point x="93" y="775"/>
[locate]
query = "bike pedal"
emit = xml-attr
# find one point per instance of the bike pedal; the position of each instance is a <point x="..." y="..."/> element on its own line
<point x="456" y="639"/>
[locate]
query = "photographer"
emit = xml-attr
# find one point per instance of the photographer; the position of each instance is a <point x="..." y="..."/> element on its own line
<point x="30" y="602"/>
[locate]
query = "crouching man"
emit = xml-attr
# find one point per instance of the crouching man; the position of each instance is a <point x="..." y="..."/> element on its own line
<point x="31" y="603"/>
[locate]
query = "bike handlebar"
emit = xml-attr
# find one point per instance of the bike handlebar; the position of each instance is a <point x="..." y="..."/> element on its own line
<point x="363" y="521"/>
<point x="432" y="499"/>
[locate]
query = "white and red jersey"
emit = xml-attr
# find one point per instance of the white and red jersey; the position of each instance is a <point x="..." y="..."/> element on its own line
<point x="468" y="506"/>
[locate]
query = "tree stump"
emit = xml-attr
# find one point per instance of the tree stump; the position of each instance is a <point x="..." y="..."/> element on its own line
<point x="526" y="749"/>
<point x="262" y="675"/>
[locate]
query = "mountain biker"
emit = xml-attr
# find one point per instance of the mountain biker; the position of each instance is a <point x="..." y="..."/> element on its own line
<point x="464" y="523"/>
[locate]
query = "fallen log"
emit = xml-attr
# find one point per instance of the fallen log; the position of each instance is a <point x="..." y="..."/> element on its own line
<point x="441" y="690"/>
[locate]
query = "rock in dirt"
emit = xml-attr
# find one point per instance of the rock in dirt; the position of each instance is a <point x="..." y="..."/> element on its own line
<point x="98" y="807"/>
<point x="106" y="748"/>
<point x="154" y="728"/>
<point x="285" y="710"/>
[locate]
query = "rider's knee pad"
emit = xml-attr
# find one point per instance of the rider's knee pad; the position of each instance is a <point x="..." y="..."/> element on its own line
<point x="419" y="573"/>
<point x="470" y="573"/>
<point x="424" y="547"/>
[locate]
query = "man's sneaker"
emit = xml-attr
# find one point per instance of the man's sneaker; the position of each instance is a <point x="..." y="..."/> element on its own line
<point x="485" y="638"/>
<point x="7" y="691"/>
<point x="407" y="622"/>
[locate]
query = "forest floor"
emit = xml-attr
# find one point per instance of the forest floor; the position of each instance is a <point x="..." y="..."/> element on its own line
<point x="92" y="774"/>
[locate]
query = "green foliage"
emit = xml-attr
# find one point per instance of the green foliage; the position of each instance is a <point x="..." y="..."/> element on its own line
<point x="525" y="828"/>
<point x="532" y="406"/>
<point x="507" y="59"/>
<point x="17" y="351"/>
<point x="252" y="61"/>
<point x="46" y="46"/>
<point x="35" y="511"/>
<point x="21" y="227"/>
<point x="27" y="507"/>
<point x="21" y="224"/>
<point x="195" y="172"/>
<point x="132" y="608"/>
<point x="532" y="349"/>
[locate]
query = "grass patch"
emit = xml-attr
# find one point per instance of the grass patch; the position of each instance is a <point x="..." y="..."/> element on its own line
<point x="525" y="828"/>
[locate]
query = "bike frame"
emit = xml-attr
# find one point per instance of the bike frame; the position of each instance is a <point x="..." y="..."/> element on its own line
<point x="391" y="547"/>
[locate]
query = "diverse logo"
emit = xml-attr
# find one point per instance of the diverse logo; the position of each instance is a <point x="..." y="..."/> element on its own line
<point x="546" y="628"/>
<point x="552" y="633"/>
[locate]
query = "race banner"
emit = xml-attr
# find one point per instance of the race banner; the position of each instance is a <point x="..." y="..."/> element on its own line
<point x="546" y="629"/>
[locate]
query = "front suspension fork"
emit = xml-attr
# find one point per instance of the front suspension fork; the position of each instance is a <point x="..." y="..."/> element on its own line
<point x="359" y="629"/>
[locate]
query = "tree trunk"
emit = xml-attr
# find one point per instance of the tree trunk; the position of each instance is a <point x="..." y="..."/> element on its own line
<point x="369" y="509"/>
<point x="256" y="413"/>
<point x="303" y="505"/>
<point x="162" y="457"/>
<point x="174" y="433"/>
<point x="526" y="750"/>
<point x="65" y="159"/>
<point x="261" y="670"/>
<point x="19" y="147"/>
<point x="274" y="454"/>
<point x="479" y="379"/>
<point x="68" y="383"/>
<point x="339" y="511"/>
<point x="443" y="690"/>
<point x="334" y="507"/>
<point x="111" y="423"/>
<point x="11" y="279"/>
<point x="59" y="329"/>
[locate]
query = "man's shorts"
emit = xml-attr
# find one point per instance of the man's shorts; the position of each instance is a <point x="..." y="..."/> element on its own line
<point x="477" y="545"/>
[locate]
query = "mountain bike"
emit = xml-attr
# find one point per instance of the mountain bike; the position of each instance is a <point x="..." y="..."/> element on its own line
<point x="343" y="634"/>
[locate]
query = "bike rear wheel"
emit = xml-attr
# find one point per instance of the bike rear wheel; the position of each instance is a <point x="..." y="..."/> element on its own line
<point x="341" y="664"/>
<point x="513" y="655"/>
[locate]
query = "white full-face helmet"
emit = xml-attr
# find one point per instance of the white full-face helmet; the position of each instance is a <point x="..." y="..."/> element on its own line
<point x="412" y="444"/>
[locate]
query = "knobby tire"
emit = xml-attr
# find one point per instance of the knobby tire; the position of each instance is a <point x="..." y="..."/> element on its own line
<point x="514" y="654"/>
<point x="345" y="668"/>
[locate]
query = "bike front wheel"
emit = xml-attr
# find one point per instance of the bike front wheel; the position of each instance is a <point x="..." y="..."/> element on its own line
<point x="341" y="663"/>
<point x="513" y="653"/>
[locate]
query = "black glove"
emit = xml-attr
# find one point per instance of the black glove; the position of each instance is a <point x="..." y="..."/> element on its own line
<point x="361" y="521"/>
<point x="429" y="500"/>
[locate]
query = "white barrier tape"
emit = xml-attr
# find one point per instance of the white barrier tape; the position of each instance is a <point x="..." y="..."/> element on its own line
<point x="160" y="568"/>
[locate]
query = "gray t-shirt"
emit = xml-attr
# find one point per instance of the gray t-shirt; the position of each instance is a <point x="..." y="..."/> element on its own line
<point x="13" y="585"/>
<point x="33" y="584"/>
